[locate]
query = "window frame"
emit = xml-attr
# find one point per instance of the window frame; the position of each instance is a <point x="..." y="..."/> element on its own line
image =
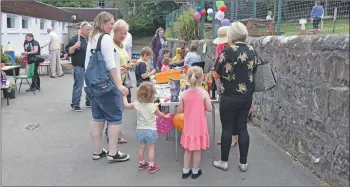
<point x="23" y="21"/>
<point x="42" y="21"/>
<point x="13" y="22"/>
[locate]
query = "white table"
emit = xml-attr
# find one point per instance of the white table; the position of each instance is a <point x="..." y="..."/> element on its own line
<point x="11" y="67"/>
<point x="163" y="92"/>
<point x="5" y="88"/>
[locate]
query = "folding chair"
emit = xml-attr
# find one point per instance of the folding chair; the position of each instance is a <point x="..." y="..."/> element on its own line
<point x="29" y="75"/>
<point x="199" y="64"/>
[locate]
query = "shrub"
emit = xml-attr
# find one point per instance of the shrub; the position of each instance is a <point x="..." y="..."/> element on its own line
<point x="19" y="61"/>
<point x="185" y="27"/>
<point x="6" y="59"/>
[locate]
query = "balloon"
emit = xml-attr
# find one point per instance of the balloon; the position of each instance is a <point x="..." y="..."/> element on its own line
<point x="211" y="14"/>
<point x="209" y="18"/>
<point x="219" y="4"/>
<point x="199" y="9"/>
<point x="178" y="121"/>
<point x="225" y="22"/>
<point x="203" y="12"/>
<point x="164" y="125"/>
<point x="197" y="16"/>
<point x="210" y="10"/>
<point x="223" y="8"/>
<point x="220" y="15"/>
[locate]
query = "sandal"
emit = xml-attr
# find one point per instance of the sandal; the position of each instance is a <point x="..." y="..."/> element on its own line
<point x="122" y="141"/>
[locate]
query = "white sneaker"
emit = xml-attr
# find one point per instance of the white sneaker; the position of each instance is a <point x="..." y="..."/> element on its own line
<point x="221" y="165"/>
<point x="243" y="167"/>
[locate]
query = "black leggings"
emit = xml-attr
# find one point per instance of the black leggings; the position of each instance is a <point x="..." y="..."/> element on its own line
<point x="234" y="116"/>
<point x="315" y="22"/>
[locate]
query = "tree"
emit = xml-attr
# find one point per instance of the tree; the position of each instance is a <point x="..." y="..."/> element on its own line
<point x="85" y="4"/>
<point x="148" y="15"/>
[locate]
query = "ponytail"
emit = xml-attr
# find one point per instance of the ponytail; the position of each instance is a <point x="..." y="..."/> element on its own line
<point x="194" y="76"/>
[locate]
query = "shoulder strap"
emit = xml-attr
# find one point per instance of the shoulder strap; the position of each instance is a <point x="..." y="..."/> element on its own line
<point x="262" y="62"/>
<point x="98" y="47"/>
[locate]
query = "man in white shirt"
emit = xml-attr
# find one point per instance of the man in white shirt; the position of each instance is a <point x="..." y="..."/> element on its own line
<point x="54" y="53"/>
<point x="128" y="44"/>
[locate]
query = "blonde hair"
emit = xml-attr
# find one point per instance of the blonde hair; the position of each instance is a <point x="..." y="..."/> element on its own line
<point x="146" y="51"/>
<point x="120" y="24"/>
<point x="195" y="76"/>
<point x="166" y="61"/>
<point x="237" y="32"/>
<point x="101" y="19"/>
<point x="146" y="93"/>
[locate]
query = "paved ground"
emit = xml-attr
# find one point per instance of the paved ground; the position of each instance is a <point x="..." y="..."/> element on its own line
<point x="57" y="151"/>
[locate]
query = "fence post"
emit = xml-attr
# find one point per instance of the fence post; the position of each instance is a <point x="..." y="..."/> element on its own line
<point x="201" y="28"/>
<point x="279" y="16"/>
<point x="254" y="8"/>
<point x="236" y="9"/>
<point x="232" y="9"/>
<point x="213" y="22"/>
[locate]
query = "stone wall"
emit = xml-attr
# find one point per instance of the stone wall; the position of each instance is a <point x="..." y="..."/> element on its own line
<point x="307" y="113"/>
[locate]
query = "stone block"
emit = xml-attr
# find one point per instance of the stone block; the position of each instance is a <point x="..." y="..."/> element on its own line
<point x="338" y="104"/>
<point x="335" y="68"/>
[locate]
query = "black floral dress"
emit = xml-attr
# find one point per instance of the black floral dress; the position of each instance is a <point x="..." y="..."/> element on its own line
<point x="236" y="65"/>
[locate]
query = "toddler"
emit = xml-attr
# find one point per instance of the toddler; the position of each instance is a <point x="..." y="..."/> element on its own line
<point x="165" y="54"/>
<point x="146" y="130"/>
<point x="166" y="64"/>
<point x="194" y="102"/>
<point x="144" y="70"/>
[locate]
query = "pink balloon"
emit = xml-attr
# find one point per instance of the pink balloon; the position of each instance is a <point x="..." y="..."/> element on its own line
<point x="164" y="125"/>
<point x="197" y="16"/>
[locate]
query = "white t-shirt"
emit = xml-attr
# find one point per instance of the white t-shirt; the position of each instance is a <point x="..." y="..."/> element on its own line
<point x="268" y="17"/>
<point x="111" y="57"/>
<point x="146" y="117"/>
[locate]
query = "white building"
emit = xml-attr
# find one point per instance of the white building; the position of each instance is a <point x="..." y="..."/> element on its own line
<point x="35" y="18"/>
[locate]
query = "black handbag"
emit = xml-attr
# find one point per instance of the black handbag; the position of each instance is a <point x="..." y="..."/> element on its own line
<point x="39" y="59"/>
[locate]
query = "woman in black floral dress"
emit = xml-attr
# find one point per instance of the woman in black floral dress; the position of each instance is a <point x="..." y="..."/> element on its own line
<point x="235" y="68"/>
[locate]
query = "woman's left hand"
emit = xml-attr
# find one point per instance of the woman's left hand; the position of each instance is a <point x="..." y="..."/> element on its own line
<point x="123" y="70"/>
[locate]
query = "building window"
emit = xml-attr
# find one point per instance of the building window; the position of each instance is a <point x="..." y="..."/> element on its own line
<point x="101" y="4"/>
<point x="24" y="23"/>
<point x="53" y="24"/>
<point x="10" y="22"/>
<point x="42" y="24"/>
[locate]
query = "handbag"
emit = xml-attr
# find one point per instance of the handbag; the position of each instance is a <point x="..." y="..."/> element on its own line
<point x="264" y="77"/>
<point x="39" y="59"/>
<point x="130" y="79"/>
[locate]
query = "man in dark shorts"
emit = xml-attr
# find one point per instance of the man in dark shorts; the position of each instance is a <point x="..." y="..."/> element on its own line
<point x="32" y="52"/>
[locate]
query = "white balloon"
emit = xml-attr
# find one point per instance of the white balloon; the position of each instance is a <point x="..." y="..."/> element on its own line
<point x="220" y="15"/>
<point x="210" y="10"/>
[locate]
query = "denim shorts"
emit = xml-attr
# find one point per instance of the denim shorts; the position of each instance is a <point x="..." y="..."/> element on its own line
<point x="108" y="107"/>
<point x="146" y="136"/>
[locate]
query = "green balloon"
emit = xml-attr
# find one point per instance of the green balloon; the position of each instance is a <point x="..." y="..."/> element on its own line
<point x="219" y="4"/>
<point x="209" y="18"/>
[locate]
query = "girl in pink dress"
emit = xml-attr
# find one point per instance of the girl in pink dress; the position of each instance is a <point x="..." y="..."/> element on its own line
<point x="194" y="103"/>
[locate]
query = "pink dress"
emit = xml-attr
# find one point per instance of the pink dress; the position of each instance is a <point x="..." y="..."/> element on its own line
<point x="165" y="68"/>
<point x="195" y="133"/>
